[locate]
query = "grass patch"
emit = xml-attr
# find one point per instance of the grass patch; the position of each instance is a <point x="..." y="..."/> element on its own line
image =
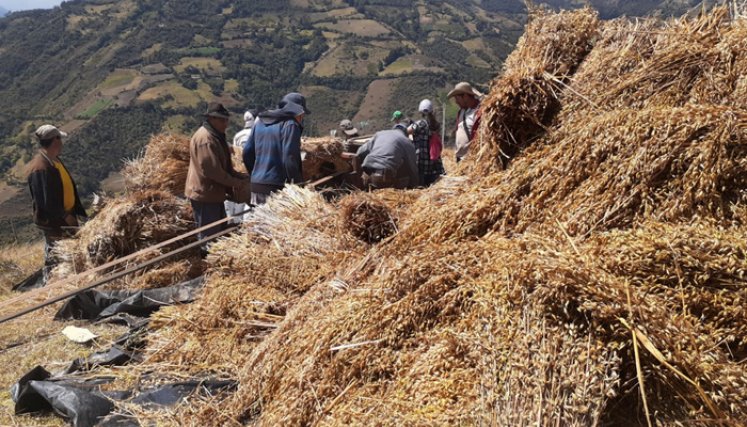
<point x="202" y="64"/>
<point x="119" y="77"/>
<point x="151" y="50"/>
<point x="97" y="107"/>
<point x="361" y="27"/>
<point x="477" y="62"/>
<point x="231" y="85"/>
<point x="200" y="51"/>
<point x="174" y="94"/>
<point x="402" y="65"/>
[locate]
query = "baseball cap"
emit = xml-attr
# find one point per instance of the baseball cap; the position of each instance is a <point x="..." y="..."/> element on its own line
<point x="426" y="106"/>
<point x="45" y="132"/>
<point x="397" y="115"/>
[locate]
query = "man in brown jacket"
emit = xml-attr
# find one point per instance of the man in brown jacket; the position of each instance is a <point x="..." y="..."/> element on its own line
<point x="54" y="198"/>
<point x="211" y="177"/>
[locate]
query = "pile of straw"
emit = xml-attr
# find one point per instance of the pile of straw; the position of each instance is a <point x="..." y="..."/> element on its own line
<point x="366" y="219"/>
<point x="124" y="226"/>
<point x="599" y="278"/>
<point x="287" y="246"/>
<point x="165" y="163"/>
<point x="162" y="167"/>
<point x="322" y="157"/>
<point x="523" y="100"/>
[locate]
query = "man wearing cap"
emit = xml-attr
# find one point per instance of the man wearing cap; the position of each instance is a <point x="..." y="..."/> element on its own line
<point x="348" y="130"/>
<point x="272" y="155"/>
<point x="236" y="208"/>
<point x="54" y="197"/>
<point x="242" y="136"/>
<point x="211" y="177"/>
<point x="388" y="160"/>
<point x="468" y="118"/>
<point x="397" y="117"/>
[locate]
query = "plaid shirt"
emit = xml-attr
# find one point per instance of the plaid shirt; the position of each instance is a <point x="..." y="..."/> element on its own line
<point x="420" y="136"/>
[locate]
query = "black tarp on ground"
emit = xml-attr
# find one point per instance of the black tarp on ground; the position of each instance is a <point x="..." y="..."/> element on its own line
<point x="35" y="280"/>
<point x="85" y="406"/>
<point x="93" y="304"/>
<point x="114" y="356"/>
<point x="171" y="394"/>
<point x="36" y="392"/>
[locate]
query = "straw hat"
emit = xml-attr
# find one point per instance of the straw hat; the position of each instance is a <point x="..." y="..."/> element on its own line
<point x="464" y="88"/>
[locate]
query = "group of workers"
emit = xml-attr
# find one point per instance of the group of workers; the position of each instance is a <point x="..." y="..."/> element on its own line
<point x="409" y="154"/>
<point x="405" y="156"/>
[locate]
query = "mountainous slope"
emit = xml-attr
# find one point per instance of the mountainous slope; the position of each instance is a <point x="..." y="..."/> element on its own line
<point x="97" y="67"/>
<point x="3" y="11"/>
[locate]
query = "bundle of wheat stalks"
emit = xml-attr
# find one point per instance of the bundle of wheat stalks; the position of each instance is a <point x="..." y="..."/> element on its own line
<point x="163" y="166"/>
<point x="127" y="225"/>
<point x="596" y="277"/>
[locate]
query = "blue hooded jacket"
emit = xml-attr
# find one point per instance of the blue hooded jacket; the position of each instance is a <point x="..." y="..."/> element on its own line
<point x="272" y="154"/>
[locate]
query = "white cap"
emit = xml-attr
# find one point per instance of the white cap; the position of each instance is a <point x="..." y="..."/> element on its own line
<point x="426" y="106"/>
<point x="49" y="132"/>
<point x="248" y="119"/>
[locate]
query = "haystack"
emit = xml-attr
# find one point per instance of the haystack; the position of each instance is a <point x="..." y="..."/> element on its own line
<point x="372" y="217"/>
<point x="162" y="167"/>
<point x="124" y="226"/>
<point x="523" y="101"/>
<point x="288" y="245"/>
<point x="604" y="267"/>
<point x="599" y="279"/>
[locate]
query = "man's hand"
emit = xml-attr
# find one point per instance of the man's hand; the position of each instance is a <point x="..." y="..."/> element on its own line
<point x="71" y="220"/>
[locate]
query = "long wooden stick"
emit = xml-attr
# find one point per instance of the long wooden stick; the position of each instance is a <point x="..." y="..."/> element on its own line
<point x="24" y="297"/>
<point x="117" y="275"/>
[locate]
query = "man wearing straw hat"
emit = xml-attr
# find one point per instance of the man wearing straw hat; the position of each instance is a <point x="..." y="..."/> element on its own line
<point x="468" y="118"/>
<point x="54" y="197"/>
<point x="211" y="177"/>
<point x="272" y="155"/>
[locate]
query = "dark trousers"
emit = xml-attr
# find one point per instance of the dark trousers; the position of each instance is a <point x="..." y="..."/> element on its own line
<point x="206" y="213"/>
<point x="428" y="180"/>
<point x="51" y="237"/>
<point x="375" y="179"/>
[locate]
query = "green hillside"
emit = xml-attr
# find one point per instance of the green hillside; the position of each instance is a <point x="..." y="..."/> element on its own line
<point x="111" y="72"/>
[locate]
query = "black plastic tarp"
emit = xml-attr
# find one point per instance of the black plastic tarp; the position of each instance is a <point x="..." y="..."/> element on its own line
<point x="35" y="280"/>
<point x="94" y="304"/>
<point x="115" y="356"/>
<point x="84" y="405"/>
<point x="171" y="394"/>
<point x="36" y="392"/>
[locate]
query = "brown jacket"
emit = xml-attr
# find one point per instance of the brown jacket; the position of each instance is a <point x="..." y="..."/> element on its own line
<point x="45" y="185"/>
<point x="211" y="176"/>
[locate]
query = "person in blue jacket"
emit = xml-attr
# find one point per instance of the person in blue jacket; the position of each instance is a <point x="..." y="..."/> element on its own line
<point x="273" y="152"/>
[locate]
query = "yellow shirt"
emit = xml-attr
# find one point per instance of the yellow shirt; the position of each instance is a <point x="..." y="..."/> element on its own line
<point x="68" y="193"/>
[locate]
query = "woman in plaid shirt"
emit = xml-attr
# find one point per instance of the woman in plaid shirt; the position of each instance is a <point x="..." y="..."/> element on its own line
<point x="430" y="166"/>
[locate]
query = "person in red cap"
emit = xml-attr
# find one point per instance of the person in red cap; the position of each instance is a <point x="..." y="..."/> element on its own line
<point x="211" y="178"/>
<point x="54" y="197"/>
<point x="468" y="118"/>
